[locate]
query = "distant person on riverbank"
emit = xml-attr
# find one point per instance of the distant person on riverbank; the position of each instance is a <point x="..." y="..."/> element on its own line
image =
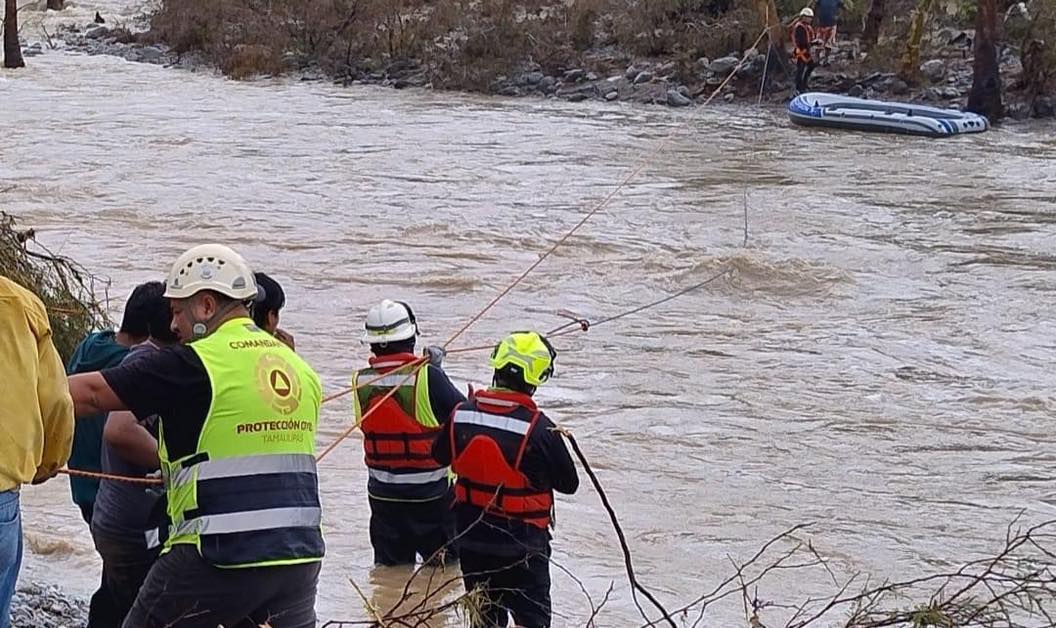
<point x="239" y="413"/>
<point x="509" y="460"/>
<point x="126" y="516"/>
<point x="410" y="494"/>
<point x="270" y="301"/>
<point x="827" y="12"/>
<point x="100" y="350"/>
<point x="37" y="429"/>
<point x="803" y="39"/>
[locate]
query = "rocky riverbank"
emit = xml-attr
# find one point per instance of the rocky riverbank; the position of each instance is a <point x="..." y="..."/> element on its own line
<point x="46" y="606"/>
<point x="943" y="81"/>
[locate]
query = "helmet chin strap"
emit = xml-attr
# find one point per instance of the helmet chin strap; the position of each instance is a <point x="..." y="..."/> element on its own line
<point x="200" y="329"/>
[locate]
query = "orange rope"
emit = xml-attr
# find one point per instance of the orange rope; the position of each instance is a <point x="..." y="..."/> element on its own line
<point x="345" y="391"/>
<point x="107" y="476"/>
<point x="350" y="389"/>
<point x="647" y="158"/>
<point x="417" y="366"/>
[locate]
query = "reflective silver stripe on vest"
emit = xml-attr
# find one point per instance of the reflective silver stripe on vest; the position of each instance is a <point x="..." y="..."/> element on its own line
<point x="252" y="521"/>
<point x="502" y="403"/>
<point x="245" y="466"/>
<point x="503" y="423"/>
<point x="425" y="477"/>
<point x="407" y="379"/>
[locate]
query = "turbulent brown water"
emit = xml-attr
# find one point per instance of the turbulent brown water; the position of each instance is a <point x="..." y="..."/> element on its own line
<point x="879" y="364"/>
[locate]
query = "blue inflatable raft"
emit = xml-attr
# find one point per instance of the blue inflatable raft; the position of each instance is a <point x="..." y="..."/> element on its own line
<point x="857" y="114"/>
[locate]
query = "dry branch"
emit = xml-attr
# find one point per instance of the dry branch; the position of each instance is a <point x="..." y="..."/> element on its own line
<point x="67" y="289"/>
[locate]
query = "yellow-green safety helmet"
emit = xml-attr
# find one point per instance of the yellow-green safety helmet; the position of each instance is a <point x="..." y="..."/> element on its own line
<point x="528" y="350"/>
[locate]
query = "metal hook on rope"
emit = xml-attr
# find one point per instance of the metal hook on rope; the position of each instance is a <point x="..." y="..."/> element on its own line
<point x="576" y="319"/>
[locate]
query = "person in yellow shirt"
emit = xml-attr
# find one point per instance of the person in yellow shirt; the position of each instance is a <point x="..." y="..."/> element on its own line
<point x="36" y="431"/>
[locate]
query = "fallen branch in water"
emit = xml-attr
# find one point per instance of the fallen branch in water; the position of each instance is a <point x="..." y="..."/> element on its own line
<point x="1016" y="588"/>
<point x="67" y="289"/>
<point x="627" y="561"/>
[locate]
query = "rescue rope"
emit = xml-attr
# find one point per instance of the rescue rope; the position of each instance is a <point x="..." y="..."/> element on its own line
<point x="415" y="367"/>
<point x="350" y="389"/>
<point x="755" y="134"/>
<point x="582" y="324"/>
<point x="108" y="476"/>
<point x="577" y="324"/>
<point x="642" y="163"/>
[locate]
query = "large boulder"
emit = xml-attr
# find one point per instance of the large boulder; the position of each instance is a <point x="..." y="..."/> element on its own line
<point x="96" y="32"/>
<point x="575" y="76"/>
<point x="643" y="77"/>
<point x="899" y="87"/>
<point x="934" y="70"/>
<point x="151" y="54"/>
<point x="676" y="98"/>
<point x="1018" y="111"/>
<point x="1044" y="107"/>
<point x="723" y="65"/>
<point x="534" y="78"/>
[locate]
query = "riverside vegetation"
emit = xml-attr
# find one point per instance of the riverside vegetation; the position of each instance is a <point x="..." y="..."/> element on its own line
<point x="672" y="52"/>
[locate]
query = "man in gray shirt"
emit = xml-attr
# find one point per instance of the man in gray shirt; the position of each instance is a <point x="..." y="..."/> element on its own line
<point x="126" y="523"/>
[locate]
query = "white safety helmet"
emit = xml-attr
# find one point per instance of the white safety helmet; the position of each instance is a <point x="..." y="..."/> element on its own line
<point x="211" y="267"/>
<point x="390" y="321"/>
<point x="806" y="12"/>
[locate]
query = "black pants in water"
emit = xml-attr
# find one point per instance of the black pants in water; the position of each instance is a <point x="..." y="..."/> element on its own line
<point x="513" y="585"/>
<point x="402" y="531"/>
<point x="183" y="591"/>
<point x="126" y="564"/>
<point x="803" y="71"/>
<point x="102" y="611"/>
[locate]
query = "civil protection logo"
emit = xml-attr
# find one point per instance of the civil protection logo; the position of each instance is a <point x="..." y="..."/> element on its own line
<point x="278" y="383"/>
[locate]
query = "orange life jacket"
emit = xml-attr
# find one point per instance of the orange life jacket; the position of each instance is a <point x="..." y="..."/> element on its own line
<point x="489" y="435"/>
<point x="397" y="448"/>
<point x="801" y="54"/>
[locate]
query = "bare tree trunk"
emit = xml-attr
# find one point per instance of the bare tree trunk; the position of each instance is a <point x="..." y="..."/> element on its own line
<point x="769" y="16"/>
<point x="56" y="5"/>
<point x="12" y="49"/>
<point x="774" y="41"/>
<point x="985" y="97"/>
<point x="911" y="57"/>
<point x="873" y="20"/>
